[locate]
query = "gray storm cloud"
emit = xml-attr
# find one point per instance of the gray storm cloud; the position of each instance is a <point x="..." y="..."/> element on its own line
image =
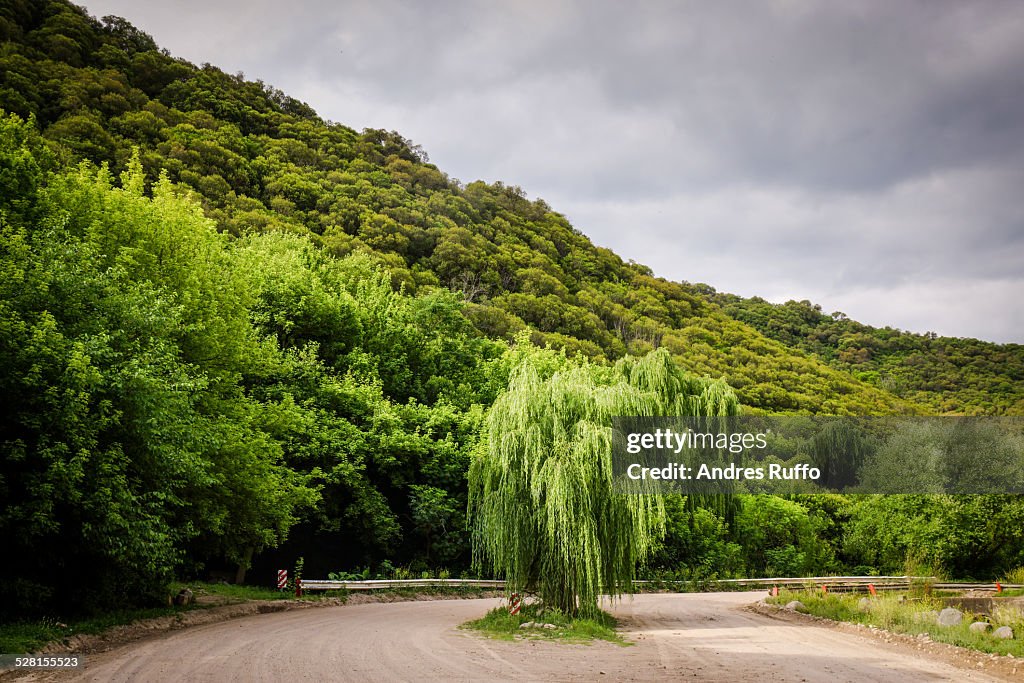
<point x="865" y="155"/>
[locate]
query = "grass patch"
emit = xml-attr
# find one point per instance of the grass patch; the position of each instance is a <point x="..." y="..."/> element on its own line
<point x="23" y="637"/>
<point x="1015" y="575"/>
<point x="498" y="623"/>
<point x="413" y="591"/>
<point x="233" y="592"/>
<point x="226" y="594"/>
<point x="695" y="586"/>
<point x="911" y="616"/>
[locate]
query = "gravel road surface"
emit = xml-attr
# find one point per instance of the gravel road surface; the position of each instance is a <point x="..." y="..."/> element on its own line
<point x="694" y="637"/>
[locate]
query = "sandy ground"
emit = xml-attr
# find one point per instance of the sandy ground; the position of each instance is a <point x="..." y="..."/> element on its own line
<point x="695" y="637"/>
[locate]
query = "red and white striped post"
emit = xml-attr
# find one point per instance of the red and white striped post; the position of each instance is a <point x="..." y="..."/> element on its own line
<point x="515" y="603"/>
<point x="282" y="579"/>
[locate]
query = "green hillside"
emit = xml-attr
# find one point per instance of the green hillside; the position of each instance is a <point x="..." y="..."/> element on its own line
<point x="947" y="374"/>
<point x="263" y="162"/>
<point x="233" y="334"/>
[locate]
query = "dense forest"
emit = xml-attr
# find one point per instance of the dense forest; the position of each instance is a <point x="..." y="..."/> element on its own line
<point x="947" y="375"/>
<point x="233" y="333"/>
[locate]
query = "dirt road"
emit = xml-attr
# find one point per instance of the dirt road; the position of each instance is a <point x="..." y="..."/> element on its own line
<point x="694" y="637"/>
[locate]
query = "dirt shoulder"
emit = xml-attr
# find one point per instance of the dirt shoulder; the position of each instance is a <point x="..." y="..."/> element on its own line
<point x="1008" y="667"/>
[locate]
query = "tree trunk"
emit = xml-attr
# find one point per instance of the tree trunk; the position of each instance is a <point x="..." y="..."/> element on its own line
<point x="244" y="565"/>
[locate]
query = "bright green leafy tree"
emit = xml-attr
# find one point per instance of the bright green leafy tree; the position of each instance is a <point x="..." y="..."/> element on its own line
<point x="543" y="509"/>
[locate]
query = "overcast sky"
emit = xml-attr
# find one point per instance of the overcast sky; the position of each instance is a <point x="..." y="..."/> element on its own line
<point x="868" y="156"/>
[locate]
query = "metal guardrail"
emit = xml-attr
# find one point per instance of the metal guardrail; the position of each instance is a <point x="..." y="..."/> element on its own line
<point x="382" y="584"/>
<point x="836" y="583"/>
<point x="976" y="586"/>
<point x="857" y="583"/>
<point x="818" y="580"/>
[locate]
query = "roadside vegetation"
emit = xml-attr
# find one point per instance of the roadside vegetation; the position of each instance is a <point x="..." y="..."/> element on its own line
<point x="546" y="624"/>
<point x="28" y="635"/>
<point x="912" y="613"/>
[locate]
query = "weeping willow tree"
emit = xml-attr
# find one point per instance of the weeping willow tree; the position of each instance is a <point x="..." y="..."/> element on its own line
<point x="542" y="507"/>
<point x="839" y="450"/>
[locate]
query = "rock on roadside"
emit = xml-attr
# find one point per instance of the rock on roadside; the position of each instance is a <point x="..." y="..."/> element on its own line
<point x="950" y="616"/>
<point x="796" y="606"/>
<point x="1004" y="632"/>
<point x="184" y="597"/>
